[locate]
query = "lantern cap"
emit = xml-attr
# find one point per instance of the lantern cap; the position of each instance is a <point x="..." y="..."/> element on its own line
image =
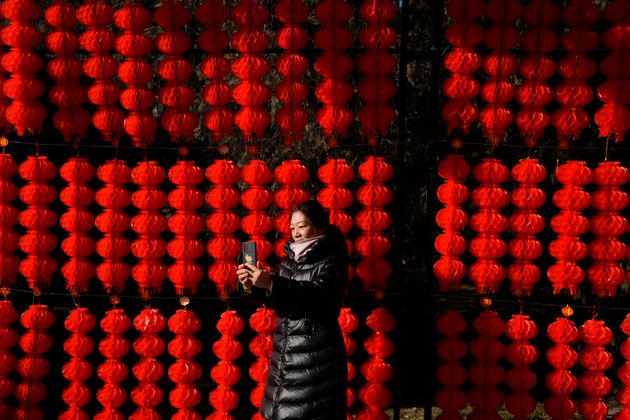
<point x="567" y="311"/>
<point x="114" y="299"/>
<point x="486" y="302"/>
<point x="184" y="301"/>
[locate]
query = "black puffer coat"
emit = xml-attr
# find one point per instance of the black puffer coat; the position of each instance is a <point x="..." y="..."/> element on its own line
<point x="308" y="372"/>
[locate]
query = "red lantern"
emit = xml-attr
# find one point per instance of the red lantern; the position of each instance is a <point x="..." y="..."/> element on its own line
<point x="595" y="360"/>
<point x="263" y="322"/>
<point x="9" y="262"/>
<point x="569" y="224"/>
<point x="349" y="323"/>
<point x="223" y="222"/>
<point x="292" y="91"/>
<point x="526" y="223"/>
<point x="33" y="367"/>
<point x="256" y="199"/>
<point x="574" y="93"/>
<point x="148" y="370"/>
<point x="226" y="374"/>
<point x="135" y="46"/>
<point x="25" y="113"/>
<point x="176" y="95"/>
<point x="486" y="374"/>
<point x="68" y="94"/>
<point x="623" y="373"/>
<point x="37" y="218"/>
<point x="334" y="91"/>
<point x="220" y="119"/>
<point x="186" y="225"/>
<point x="607" y="250"/>
<point x="520" y="329"/>
<point x="534" y="93"/>
<point x="451" y="398"/>
<point x="488" y="247"/>
<point x="290" y="175"/>
<point x="78" y="370"/>
<point x="612" y="117"/>
<point x="113" y="222"/>
<point x="372" y="245"/>
<point x="8" y="361"/>
<point x="449" y="270"/>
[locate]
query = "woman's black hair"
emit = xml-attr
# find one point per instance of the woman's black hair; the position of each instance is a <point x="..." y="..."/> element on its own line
<point x="314" y="211"/>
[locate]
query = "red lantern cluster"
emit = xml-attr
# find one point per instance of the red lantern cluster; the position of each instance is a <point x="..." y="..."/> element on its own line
<point x="334" y="66"/>
<point x="595" y="359"/>
<point x="263" y="322"/>
<point x="4" y="101"/>
<point x="292" y="92"/>
<point x="113" y="370"/>
<point x="451" y="374"/>
<point x="113" y="222"/>
<point x="290" y="175"/>
<point x="68" y="93"/>
<point x="462" y="62"/>
<point x="149" y="224"/>
<point x="185" y="371"/>
<point x="372" y="244"/>
<point x="78" y="370"/>
<point x="8" y="361"/>
<point x="257" y="198"/>
<point x="217" y="93"/>
<point x="569" y="224"/>
<point x="252" y="94"/>
<point x="33" y="367"/>
<point x="613" y="119"/>
<point x="606" y="250"/>
<point x="526" y="224"/>
<point x="623" y="373"/>
<point x="335" y="197"/>
<point x="25" y="113"/>
<point x="39" y="266"/>
<point x="77" y="221"/>
<point x="562" y="357"/>
<point x="500" y="65"/>
<point x="488" y="247"/>
<point x="98" y="39"/>
<point x="226" y="373"/>
<point x="534" y="93"/>
<point x="148" y="370"/>
<point x="9" y="239"/>
<point x="521" y="353"/>
<point x="223" y="222"/>
<point x="449" y="269"/>
<point x="376" y="370"/>
<point x="178" y="120"/>
<point x="377" y="89"/>
<point x="486" y="374"/>
<point x="185" y="248"/>
<point x="574" y="93"/>
<point x="134" y="45"/>
<point x="349" y="322"/>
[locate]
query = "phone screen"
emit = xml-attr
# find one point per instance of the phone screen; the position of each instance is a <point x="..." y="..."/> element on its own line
<point x="249" y="253"/>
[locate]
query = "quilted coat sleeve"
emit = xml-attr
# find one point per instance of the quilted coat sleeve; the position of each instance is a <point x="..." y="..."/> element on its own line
<point x="324" y="288"/>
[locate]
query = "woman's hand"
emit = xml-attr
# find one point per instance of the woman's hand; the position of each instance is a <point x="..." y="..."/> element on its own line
<point x="244" y="276"/>
<point x="249" y="273"/>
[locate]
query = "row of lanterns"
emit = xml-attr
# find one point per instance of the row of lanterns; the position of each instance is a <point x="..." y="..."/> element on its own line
<point x="486" y="374"/>
<point x="495" y="84"/>
<point x="20" y="97"/>
<point x="490" y="221"/>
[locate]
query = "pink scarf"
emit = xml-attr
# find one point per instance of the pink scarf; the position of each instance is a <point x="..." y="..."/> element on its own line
<point x="303" y="246"/>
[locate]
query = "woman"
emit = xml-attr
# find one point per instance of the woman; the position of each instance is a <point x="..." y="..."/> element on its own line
<point x="308" y="372"/>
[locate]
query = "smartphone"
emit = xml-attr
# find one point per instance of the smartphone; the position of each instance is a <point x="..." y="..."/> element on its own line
<point x="249" y="253"/>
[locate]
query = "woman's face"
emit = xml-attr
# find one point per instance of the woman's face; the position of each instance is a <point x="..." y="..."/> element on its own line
<point x="302" y="227"/>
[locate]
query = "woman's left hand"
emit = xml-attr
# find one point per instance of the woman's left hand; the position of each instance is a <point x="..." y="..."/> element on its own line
<point x="260" y="278"/>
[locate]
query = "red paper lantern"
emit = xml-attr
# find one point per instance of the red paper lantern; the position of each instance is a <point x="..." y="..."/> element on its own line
<point x="526" y="223"/>
<point x="263" y="322"/>
<point x="623" y="373"/>
<point x="595" y="360"/>
<point x="148" y="370"/>
<point x="520" y="329"/>
<point x="569" y="224"/>
<point x="349" y="322"/>
<point x="176" y="95"/>
<point x="451" y="398"/>
<point x="223" y="222"/>
<point x="78" y="370"/>
<point x="486" y="272"/>
<point x="38" y="267"/>
<point x="256" y="199"/>
<point x="8" y="361"/>
<point x="186" y="225"/>
<point x="9" y="262"/>
<point x="290" y="175"/>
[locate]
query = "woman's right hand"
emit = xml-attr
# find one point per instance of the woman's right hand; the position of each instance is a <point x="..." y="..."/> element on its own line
<point x="245" y="277"/>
